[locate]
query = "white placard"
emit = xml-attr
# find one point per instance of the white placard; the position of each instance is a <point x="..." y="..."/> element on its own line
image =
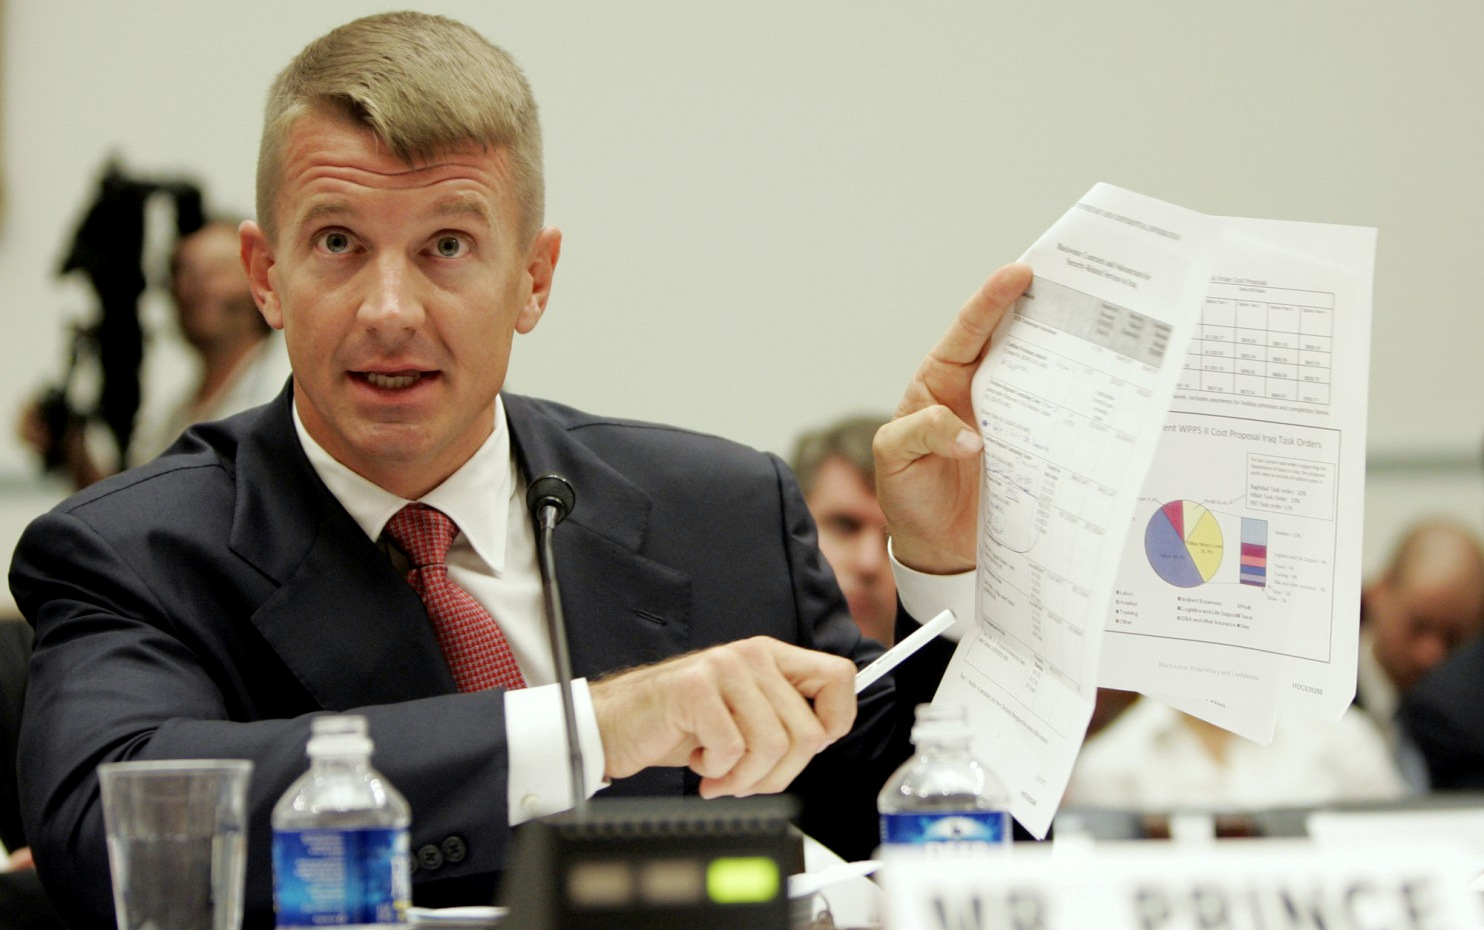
<point x="1231" y="885"/>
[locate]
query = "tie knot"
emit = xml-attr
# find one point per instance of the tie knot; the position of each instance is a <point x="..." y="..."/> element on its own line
<point x="423" y="533"/>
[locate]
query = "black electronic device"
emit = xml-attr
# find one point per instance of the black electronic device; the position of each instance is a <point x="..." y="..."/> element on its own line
<point x="109" y="248"/>
<point x="656" y="863"/>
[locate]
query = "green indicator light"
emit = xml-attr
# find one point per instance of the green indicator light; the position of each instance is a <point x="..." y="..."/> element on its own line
<point x="742" y="880"/>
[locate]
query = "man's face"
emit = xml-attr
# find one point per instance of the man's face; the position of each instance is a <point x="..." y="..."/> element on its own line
<point x="852" y="536"/>
<point x="1416" y="627"/>
<point x="209" y="288"/>
<point x="399" y="290"/>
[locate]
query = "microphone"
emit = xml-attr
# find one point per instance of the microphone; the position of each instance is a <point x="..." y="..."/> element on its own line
<point x="550" y="499"/>
<point x="550" y="491"/>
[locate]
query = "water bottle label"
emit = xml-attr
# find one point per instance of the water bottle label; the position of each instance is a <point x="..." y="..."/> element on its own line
<point x="325" y="878"/>
<point x="970" y="828"/>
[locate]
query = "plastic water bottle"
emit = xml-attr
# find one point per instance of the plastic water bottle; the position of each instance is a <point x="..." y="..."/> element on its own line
<point x="943" y="796"/>
<point x="341" y="854"/>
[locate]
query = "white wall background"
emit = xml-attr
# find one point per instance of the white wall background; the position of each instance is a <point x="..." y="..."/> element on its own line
<point x="773" y="208"/>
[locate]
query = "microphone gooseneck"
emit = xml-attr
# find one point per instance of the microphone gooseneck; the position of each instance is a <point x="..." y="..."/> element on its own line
<point x="551" y="498"/>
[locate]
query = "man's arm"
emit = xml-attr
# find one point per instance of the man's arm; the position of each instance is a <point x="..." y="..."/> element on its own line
<point x="118" y="674"/>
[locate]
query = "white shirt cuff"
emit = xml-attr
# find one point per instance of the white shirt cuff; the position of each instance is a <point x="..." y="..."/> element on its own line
<point x="925" y="596"/>
<point x="540" y="777"/>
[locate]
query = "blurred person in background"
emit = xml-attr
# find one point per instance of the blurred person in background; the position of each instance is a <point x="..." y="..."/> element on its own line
<point x="837" y="473"/>
<point x="1153" y="758"/>
<point x="1428" y="601"/>
<point x="1439" y="715"/>
<point x="242" y="361"/>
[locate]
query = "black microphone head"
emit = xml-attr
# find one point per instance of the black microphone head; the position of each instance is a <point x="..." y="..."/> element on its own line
<point x="551" y="490"/>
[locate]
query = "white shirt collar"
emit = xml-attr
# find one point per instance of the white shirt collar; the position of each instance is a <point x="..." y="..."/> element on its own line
<point x="1373" y="683"/>
<point x="475" y="496"/>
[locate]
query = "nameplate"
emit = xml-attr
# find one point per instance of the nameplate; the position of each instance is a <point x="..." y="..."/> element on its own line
<point x="1259" y="884"/>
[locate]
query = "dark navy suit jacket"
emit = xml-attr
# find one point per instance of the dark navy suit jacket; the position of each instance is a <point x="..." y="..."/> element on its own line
<point x="205" y="604"/>
<point x="1443" y="717"/>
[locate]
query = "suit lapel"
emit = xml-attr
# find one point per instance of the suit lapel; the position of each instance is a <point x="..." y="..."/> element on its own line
<point x="351" y="629"/>
<point x="354" y="632"/>
<point x="621" y="608"/>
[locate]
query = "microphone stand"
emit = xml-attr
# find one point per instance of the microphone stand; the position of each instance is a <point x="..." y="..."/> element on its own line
<point x="552" y="498"/>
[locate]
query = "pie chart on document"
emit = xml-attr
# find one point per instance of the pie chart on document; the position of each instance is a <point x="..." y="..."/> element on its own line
<point x="1183" y="543"/>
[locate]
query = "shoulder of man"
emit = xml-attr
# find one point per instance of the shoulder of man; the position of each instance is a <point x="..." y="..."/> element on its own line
<point x="610" y="436"/>
<point x="204" y="452"/>
<point x="1456" y="684"/>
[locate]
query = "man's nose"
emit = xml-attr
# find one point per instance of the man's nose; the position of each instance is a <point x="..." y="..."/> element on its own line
<point x="870" y="552"/>
<point x="1429" y="651"/>
<point x="391" y="298"/>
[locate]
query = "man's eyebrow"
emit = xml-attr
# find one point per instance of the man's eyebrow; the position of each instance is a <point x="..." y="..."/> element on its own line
<point x="454" y="206"/>
<point x="464" y="206"/>
<point x="323" y="209"/>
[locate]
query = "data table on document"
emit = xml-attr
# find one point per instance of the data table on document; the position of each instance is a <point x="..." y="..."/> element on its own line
<point x="1261" y="341"/>
<point x="1064" y="409"/>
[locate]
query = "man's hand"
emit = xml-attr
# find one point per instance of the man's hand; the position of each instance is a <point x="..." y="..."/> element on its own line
<point x="20" y="859"/>
<point x="927" y="457"/>
<point x="746" y="716"/>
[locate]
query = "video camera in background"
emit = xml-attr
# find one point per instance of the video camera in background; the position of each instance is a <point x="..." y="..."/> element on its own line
<point x="109" y="248"/>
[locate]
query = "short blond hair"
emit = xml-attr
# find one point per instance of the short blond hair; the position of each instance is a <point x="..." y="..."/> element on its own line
<point x="423" y="84"/>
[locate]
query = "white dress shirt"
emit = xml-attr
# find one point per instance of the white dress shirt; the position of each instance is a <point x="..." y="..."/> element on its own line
<point x="1374" y="687"/>
<point x="494" y="559"/>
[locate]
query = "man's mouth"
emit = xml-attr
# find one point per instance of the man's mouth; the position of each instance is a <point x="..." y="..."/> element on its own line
<point x="392" y="382"/>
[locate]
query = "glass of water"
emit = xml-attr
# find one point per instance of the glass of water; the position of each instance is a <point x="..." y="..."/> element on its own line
<point x="177" y="841"/>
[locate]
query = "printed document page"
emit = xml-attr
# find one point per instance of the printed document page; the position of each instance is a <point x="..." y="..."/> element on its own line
<point x="1238" y="596"/>
<point x="1069" y="400"/>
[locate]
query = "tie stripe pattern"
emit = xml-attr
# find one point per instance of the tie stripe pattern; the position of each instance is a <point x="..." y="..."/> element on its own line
<point x="476" y="650"/>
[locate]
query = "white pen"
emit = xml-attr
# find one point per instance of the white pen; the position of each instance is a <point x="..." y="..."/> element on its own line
<point x="892" y="657"/>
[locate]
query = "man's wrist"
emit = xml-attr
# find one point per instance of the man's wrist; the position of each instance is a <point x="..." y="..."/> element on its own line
<point x="927" y="559"/>
<point x="925" y="594"/>
<point x="539" y="781"/>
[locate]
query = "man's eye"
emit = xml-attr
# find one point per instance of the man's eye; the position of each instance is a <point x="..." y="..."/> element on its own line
<point x="336" y="242"/>
<point x="449" y="246"/>
<point x="843" y="526"/>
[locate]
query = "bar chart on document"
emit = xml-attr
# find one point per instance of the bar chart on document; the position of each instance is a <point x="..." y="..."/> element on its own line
<point x="1058" y="443"/>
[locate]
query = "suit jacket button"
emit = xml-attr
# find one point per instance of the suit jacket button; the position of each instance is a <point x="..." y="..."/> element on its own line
<point x="430" y="857"/>
<point x="454" y="849"/>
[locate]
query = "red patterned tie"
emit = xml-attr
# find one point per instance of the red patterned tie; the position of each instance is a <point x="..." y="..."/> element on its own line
<point x="476" y="650"/>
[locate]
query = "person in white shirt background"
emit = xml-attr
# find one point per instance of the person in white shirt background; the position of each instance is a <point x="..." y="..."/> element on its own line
<point x="241" y="362"/>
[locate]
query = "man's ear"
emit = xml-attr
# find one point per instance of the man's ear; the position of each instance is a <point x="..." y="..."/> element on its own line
<point x="257" y="258"/>
<point x="541" y="264"/>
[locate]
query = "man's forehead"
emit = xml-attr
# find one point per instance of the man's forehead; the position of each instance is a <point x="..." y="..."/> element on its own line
<point x="452" y="203"/>
<point x="323" y="147"/>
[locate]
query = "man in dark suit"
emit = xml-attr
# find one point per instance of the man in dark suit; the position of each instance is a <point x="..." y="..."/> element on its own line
<point x="1441" y="717"/>
<point x="206" y="604"/>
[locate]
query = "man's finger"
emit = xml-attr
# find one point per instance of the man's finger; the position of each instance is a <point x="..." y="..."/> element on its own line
<point x="773" y="710"/>
<point x="966" y="339"/>
<point x="721" y="743"/>
<point x="829" y="684"/>
<point x="764" y="737"/>
<point x="934" y="430"/>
